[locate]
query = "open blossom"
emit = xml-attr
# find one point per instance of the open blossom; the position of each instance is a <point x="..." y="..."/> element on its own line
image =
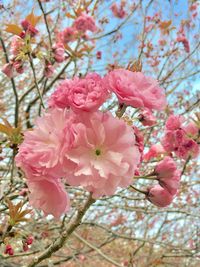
<point x="168" y="175"/>
<point x="191" y="130"/>
<point x="174" y="122"/>
<point x="81" y="94"/>
<point x="69" y="34"/>
<point x="42" y="157"/>
<point x="104" y="152"/>
<point x="136" y="89"/>
<point x="177" y="138"/>
<point x="28" y="28"/>
<point x="48" y="195"/>
<point x="88" y="94"/>
<point x="154" y="151"/>
<point x="159" y="196"/>
<point x="16" y="45"/>
<point x="59" y="98"/>
<point x="85" y="23"/>
<point x="118" y="11"/>
<point x="93" y="150"/>
<point x="178" y="142"/>
<point x="8" y="70"/>
<point x="42" y="151"/>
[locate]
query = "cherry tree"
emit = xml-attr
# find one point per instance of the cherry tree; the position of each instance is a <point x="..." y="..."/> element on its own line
<point x="99" y="133"/>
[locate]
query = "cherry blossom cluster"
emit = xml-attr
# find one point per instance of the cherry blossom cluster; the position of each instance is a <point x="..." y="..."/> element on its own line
<point x="22" y="44"/>
<point x="76" y="143"/>
<point x="179" y="138"/>
<point x="80" y="26"/>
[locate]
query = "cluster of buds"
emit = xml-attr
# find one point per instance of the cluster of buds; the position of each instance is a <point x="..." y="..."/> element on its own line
<point x="28" y="29"/>
<point x="9" y="250"/>
<point x="27" y="242"/>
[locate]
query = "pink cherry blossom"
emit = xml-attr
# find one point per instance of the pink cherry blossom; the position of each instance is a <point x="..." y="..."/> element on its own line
<point x="48" y="195"/>
<point x="81" y="94"/>
<point x="88" y="94"/>
<point x="105" y="153"/>
<point x="18" y="65"/>
<point x="8" y="70"/>
<point x="174" y="122"/>
<point x="43" y="148"/>
<point x="146" y="118"/>
<point x="16" y="45"/>
<point x="168" y="175"/>
<point x="68" y="35"/>
<point x="85" y="23"/>
<point x="177" y="141"/>
<point x="118" y="11"/>
<point x="60" y="97"/>
<point x="191" y="129"/>
<point x="182" y="39"/>
<point x="29" y="28"/>
<point x="136" y="89"/>
<point x="159" y="196"/>
<point x="154" y="151"/>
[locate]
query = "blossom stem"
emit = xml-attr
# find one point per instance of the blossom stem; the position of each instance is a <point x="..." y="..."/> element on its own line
<point x="139" y="190"/>
<point x="153" y="177"/>
<point x="35" y="80"/>
<point x="121" y="110"/>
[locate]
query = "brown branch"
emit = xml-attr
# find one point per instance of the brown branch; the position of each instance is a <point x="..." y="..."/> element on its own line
<point x="65" y="235"/>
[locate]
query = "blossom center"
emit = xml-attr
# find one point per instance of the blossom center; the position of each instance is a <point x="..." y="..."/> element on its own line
<point x="98" y="152"/>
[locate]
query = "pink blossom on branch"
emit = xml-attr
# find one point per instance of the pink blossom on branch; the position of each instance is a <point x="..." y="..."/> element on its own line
<point x="16" y="45"/>
<point x="154" y="151"/>
<point x="85" y="23"/>
<point x="58" y="51"/>
<point x="118" y="11"/>
<point x="105" y="154"/>
<point x="159" y="196"/>
<point x="69" y="34"/>
<point x="174" y="122"/>
<point x="8" y="70"/>
<point x="48" y="195"/>
<point x="135" y="89"/>
<point x="191" y="130"/>
<point x="168" y="175"/>
<point x="177" y="138"/>
<point x="42" y="152"/>
<point x="81" y="94"/>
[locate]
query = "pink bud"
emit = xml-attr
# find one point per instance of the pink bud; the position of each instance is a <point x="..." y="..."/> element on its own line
<point x="146" y="117"/>
<point x="25" y="247"/>
<point x="99" y="54"/>
<point x="18" y="66"/>
<point x="29" y="240"/>
<point x="25" y="24"/>
<point x="59" y="52"/>
<point x="8" y="70"/>
<point x="159" y="196"/>
<point x="48" y="71"/>
<point x="9" y="250"/>
<point x="168" y="175"/>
